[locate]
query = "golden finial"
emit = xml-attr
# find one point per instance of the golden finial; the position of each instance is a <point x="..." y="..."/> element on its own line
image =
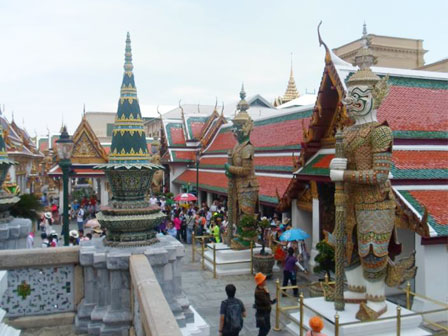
<point x="242" y="106"/>
<point x="222" y="109"/>
<point x="291" y="90"/>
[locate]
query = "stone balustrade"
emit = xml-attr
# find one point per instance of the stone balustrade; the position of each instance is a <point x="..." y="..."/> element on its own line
<point x="44" y="286"/>
<point x="100" y="290"/>
<point x="151" y="313"/>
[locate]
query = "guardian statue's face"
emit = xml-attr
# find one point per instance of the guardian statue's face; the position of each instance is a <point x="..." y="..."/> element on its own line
<point x="358" y="101"/>
<point x="238" y="132"/>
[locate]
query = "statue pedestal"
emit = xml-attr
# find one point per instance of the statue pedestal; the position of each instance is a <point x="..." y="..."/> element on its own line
<point x="106" y="306"/>
<point x="226" y="258"/>
<point x="409" y="325"/>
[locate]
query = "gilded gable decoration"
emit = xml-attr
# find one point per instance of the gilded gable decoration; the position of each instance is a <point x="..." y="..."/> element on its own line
<point x="86" y="146"/>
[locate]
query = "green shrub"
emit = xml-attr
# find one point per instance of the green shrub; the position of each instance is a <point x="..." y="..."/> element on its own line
<point x="27" y="207"/>
<point x="324" y="259"/>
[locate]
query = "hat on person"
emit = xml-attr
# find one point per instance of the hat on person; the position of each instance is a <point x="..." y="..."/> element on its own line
<point x="97" y="230"/>
<point x="259" y="278"/>
<point x="47" y="215"/>
<point x="316" y="323"/>
<point x="74" y="234"/>
<point x="285" y="220"/>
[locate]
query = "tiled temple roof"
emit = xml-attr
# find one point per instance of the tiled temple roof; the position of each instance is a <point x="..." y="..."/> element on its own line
<point x="415" y="112"/>
<point x="407" y="165"/>
<point x="175" y="134"/>
<point x="217" y="182"/>
<point x="262" y="163"/>
<point x="435" y="202"/>
<point x="281" y="132"/>
<point x="18" y="141"/>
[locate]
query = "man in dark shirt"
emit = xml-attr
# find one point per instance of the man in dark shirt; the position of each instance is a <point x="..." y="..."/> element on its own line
<point x="231" y="304"/>
<point x="263" y="304"/>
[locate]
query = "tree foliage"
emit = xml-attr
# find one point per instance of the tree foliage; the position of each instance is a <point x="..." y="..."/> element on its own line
<point x="27" y="207"/>
<point x="324" y="259"/>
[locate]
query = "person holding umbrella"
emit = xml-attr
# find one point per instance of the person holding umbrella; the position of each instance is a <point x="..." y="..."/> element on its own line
<point x="295" y="236"/>
<point x="290" y="272"/>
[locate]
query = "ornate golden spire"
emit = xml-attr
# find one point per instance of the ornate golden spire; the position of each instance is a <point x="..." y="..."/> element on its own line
<point x="291" y="91"/>
<point x="364" y="59"/>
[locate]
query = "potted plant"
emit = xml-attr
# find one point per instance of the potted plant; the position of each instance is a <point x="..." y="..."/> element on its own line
<point x="263" y="261"/>
<point x="246" y="232"/>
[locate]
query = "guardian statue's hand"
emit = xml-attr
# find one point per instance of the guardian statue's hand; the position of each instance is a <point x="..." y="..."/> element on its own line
<point x="338" y="164"/>
<point x="336" y="175"/>
<point x="337" y="167"/>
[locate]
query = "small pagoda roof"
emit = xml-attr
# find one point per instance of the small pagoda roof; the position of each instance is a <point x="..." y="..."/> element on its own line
<point x="87" y="149"/>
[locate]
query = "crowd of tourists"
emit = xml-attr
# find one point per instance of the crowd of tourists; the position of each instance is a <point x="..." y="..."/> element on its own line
<point x="185" y="218"/>
<point x="82" y="211"/>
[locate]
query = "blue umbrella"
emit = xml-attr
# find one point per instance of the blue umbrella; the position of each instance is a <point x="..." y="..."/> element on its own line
<point x="294" y="234"/>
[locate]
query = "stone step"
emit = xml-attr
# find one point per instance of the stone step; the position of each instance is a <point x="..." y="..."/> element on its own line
<point x="197" y="328"/>
<point x="6" y="330"/>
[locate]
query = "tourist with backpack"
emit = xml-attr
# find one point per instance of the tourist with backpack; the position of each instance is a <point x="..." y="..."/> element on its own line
<point x="231" y="314"/>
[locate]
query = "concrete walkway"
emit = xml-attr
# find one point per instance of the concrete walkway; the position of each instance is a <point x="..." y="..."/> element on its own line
<point x="205" y="295"/>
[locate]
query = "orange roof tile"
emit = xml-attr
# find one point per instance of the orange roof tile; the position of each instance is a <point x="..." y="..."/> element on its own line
<point x="218" y="182"/>
<point x="274" y="135"/>
<point x="435" y="201"/>
<point x="415" y="109"/>
<point x="420" y="159"/>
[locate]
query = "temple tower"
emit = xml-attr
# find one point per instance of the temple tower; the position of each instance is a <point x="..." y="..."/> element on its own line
<point x="291" y="90"/>
<point x="129" y="171"/>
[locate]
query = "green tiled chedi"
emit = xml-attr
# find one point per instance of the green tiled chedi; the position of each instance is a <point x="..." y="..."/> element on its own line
<point x="128" y="219"/>
<point x="128" y="138"/>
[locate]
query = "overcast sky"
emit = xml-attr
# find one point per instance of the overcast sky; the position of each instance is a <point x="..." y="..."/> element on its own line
<point x="57" y="55"/>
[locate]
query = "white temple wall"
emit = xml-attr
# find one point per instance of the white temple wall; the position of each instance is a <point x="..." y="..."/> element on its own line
<point x="104" y="195"/>
<point x="303" y="220"/>
<point x="432" y="273"/>
<point x="175" y="171"/>
<point x="209" y="199"/>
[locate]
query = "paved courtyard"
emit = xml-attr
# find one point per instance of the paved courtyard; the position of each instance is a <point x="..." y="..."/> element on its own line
<point x="205" y="295"/>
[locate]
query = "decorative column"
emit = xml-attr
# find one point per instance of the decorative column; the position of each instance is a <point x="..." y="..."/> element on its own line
<point x="209" y="199"/>
<point x="316" y="224"/>
<point x="104" y="195"/>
